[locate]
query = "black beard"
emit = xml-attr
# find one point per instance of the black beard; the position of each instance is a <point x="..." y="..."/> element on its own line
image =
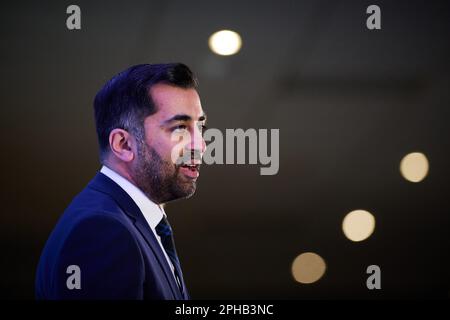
<point x="160" y="179"/>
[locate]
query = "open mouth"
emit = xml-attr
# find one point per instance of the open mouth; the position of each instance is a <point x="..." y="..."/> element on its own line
<point x="190" y="170"/>
<point x="192" y="167"/>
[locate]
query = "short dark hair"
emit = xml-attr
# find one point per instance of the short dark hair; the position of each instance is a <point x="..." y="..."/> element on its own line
<point x="125" y="101"/>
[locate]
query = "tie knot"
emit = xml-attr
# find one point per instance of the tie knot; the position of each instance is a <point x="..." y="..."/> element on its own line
<point x="163" y="228"/>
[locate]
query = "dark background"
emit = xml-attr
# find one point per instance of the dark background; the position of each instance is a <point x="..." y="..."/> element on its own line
<point x="349" y="103"/>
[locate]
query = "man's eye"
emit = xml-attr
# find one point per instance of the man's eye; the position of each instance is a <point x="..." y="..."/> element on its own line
<point x="180" y="127"/>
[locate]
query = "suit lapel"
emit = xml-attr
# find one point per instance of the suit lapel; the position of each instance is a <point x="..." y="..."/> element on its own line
<point x="149" y="236"/>
<point x="106" y="185"/>
<point x="184" y="293"/>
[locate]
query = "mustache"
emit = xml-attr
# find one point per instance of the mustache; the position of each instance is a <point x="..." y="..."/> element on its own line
<point x="188" y="157"/>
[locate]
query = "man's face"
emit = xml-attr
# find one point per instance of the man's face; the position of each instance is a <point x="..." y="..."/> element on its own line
<point x="174" y="131"/>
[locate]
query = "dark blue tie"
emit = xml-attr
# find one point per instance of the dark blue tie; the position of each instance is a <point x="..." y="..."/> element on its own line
<point x="164" y="230"/>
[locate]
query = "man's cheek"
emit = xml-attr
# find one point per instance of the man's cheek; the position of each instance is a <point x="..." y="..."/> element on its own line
<point x="181" y="141"/>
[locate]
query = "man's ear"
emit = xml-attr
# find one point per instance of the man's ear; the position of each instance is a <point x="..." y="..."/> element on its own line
<point x="121" y="144"/>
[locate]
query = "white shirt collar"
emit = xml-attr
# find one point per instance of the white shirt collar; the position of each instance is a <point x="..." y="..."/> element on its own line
<point x="152" y="212"/>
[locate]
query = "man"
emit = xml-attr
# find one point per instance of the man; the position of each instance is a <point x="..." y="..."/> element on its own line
<point x="114" y="240"/>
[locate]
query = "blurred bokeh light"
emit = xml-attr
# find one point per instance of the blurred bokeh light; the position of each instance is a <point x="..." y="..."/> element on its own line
<point x="225" y="42"/>
<point x="414" y="167"/>
<point x="358" y="225"/>
<point x="308" y="268"/>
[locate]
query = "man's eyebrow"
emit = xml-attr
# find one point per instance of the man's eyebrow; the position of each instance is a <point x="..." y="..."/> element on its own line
<point x="178" y="117"/>
<point x="183" y="117"/>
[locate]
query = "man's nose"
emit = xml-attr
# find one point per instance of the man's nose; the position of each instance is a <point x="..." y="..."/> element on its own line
<point x="197" y="142"/>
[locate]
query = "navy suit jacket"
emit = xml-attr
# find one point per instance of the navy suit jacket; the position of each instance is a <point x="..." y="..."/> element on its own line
<point x="104" y="233"/>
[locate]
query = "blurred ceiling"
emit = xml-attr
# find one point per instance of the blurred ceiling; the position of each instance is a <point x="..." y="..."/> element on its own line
<point x="349" y="103"/>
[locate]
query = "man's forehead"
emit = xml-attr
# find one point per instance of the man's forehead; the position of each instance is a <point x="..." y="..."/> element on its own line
<point x="170" y="101"/>
<point x="168" y="95"/>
